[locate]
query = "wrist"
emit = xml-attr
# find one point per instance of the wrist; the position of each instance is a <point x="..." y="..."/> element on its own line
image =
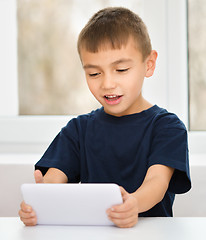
<point x="136" y="200"/>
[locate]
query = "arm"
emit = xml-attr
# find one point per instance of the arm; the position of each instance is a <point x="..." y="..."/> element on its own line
<point x="53" y="175"/>
<point x="155" y="184"/>
<point x="150" y="193"/>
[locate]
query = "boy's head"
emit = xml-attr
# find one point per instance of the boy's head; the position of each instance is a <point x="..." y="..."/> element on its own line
<point x="113" y="27"/>
<point x="116" y="55"/>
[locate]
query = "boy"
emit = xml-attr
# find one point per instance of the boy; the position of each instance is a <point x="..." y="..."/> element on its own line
<point x="128" y="141"/>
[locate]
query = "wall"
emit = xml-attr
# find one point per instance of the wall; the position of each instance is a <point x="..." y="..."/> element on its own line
<point x="192" y="204"/>
<point x="15" y="169"/>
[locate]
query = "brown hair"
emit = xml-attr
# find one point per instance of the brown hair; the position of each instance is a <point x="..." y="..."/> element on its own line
<point x="114" y="25"/>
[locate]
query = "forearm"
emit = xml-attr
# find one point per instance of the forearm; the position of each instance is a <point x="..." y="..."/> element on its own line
<point x="149" y="194"/>
<point x="154" y="187"/>
<point x="55" y="175"/>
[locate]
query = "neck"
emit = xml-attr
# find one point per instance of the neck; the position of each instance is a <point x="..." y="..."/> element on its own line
<point x="143" y="104"/>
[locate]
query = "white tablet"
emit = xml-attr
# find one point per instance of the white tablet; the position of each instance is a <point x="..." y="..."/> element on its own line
<point x="71" y="204"/>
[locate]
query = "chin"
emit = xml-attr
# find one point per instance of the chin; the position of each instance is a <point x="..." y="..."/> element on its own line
<point x="114" y="113"/>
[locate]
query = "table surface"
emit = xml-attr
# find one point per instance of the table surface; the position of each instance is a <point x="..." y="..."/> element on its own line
<point x="147" y="228"/>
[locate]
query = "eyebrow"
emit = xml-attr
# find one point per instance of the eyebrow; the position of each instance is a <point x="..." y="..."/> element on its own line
<point x="122" y="60"/>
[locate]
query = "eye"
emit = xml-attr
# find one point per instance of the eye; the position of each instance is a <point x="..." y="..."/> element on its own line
<point x="122" y="70"/>
<point x="94" y="74"/>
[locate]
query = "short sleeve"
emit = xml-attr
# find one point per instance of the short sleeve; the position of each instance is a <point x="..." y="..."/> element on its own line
<point x="170" y="148"/>
<point x="63" y="154"/>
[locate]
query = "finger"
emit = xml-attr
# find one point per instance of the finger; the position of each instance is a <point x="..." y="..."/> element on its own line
<point x="122" y="207"/>
<point x="29" y="221"/>
<point x="124" y="193"/>
<point x="25" y="207"/>
<point x="121" y="215"/>
<point x="23" y="214"/>
<point x="38" y="176"/>
<point x="129" y="225"/>
<point x="125" y="223"/>
<point x="128" y="205"/>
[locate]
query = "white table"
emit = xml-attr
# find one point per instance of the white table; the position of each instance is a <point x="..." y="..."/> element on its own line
<point x="146" y="229"/>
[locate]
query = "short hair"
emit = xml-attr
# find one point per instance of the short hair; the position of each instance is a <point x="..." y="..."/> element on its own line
<point x="114" y="26"/>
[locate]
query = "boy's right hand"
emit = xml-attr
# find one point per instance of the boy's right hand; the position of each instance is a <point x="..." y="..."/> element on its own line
<point x="26" y="213"/>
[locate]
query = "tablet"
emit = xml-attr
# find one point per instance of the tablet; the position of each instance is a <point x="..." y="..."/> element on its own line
<point x="71" y="204"/>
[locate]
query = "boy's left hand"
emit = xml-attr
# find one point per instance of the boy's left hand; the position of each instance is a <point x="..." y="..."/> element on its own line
<point x="124" y="215"/>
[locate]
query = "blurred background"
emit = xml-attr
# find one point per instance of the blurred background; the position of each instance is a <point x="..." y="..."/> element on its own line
<point x="49" y="70"/>
<point x="197" y="63"/>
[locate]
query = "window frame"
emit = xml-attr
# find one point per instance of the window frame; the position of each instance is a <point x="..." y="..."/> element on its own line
<point x="171" y="94"/>
<point x="8" y="59"/>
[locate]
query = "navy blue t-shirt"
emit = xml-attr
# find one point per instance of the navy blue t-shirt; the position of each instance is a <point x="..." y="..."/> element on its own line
<point x="101" y="148"/>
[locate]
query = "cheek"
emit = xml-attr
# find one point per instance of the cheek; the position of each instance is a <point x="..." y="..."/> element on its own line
<point x="92" y="86"/>
<point x="136" y="82"/>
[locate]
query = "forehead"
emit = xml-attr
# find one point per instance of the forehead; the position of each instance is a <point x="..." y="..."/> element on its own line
<point x="108" y="55"/>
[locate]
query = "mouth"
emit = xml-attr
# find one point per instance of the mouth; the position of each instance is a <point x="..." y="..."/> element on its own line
<point x="113" y="99"/>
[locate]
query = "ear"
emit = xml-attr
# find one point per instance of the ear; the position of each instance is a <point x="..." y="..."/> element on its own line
<point x="151" y="63"/>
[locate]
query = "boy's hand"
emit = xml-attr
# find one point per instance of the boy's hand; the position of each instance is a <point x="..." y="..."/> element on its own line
<point x="26" y="213"/>
<point x="124" y="215"/>
<point x="38" y="176"/>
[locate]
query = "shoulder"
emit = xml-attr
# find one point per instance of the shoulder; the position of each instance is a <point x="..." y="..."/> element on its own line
<point x="81" y="121"/>
<point x="164" y="119"/>
<point x="84" y="118"/>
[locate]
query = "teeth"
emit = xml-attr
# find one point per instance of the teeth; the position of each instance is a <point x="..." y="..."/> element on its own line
<point x="113" y="96"/>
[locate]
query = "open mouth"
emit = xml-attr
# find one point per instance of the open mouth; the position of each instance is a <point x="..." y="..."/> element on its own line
<point x="112" y="97"/>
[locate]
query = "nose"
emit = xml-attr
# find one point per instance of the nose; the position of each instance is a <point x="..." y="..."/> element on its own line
<point x="108" y="82"/>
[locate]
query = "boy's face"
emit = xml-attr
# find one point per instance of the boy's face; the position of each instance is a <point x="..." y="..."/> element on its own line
<point x="115" y="77"/>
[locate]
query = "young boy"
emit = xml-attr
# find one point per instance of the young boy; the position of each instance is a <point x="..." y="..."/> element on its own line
<point x="130" y="142"/>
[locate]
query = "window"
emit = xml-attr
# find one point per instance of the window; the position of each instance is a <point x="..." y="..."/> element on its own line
<point x="197" y="64"/>
<point x="51" y="79"/>
<point x="8" y="59"/>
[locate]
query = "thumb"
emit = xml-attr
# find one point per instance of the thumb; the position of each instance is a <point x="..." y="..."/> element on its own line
<point x="124" y="194"/>
<point x="38" y="176"/>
